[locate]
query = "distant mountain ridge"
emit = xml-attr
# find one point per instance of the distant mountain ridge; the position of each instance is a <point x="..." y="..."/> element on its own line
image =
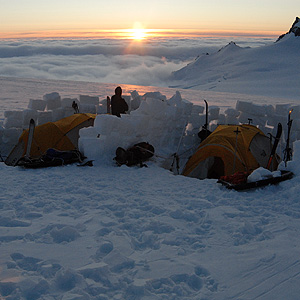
<point x="295" y="29"/>
<point x="270" y="70"/>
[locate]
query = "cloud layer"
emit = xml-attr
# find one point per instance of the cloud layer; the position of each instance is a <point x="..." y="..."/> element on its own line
<point x="105" y="60"/>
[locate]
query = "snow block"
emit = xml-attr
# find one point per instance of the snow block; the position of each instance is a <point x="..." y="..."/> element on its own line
<point x="214" y="113"/>
<point x="67" y="102"/>
<point x="101" y="109"/>
<point x="156" y="121"/>
<point x="258" y="110"/>
<point x="246" y="118"/>
<point x="58" y="114"/>
<point x="273" y="121"/>
<point x="13" y="114"/>
<point x="270" y="110"/>
<point x="53" y="100"/>
<point x="128" y="101"/>
<point x="156" y="107"/>
<point x="53" y="95"/>
<point x="13" y="119"/>
<point x="11" y="135"/>
<point x="231" y="112"/>
<point x="187" y="107"/>
<point x="105" y="123"/>
<point x="295" y="125"/>
<point x="29" y="114"/>
<point x="135" y="103"/>
<point x="282" y="109"/>
<point x="155" y="95"/>
<point x="124" y="126"/>
<point x="136" y="100"/>
<point x="69" y="111"/>
<point x="295" y="114"/>
<point x="196" y="120"/>
<point x="143" y="108"/>
<point x="197" y="109"/>
<point x="232" y="120"/>
<point x="222" y="119"/>
<point x="37" y="104"/>
<point x="91" y="147"/>
<point x="87" y="108"/>
<point x="89" y="132"/>
<point x="88" y="100"/>
<point x="243" y="106"/>
<point x="44" y="117"/>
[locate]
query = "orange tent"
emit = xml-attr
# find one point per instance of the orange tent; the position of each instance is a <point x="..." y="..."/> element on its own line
<point x="61" y="135"/>
<point x="230" y="149"/>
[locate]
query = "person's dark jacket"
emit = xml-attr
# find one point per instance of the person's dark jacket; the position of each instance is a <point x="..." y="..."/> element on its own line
<point x="118" y="105"/>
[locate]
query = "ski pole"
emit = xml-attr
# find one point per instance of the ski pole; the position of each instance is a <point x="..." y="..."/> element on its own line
<point x="237" y="131"/>
<point x="273" y="151"/>
<point x="206" y="119"/>
<point x="30" y="137"/>
<point x="288" y="150"/>
<point x="175" y="156"/>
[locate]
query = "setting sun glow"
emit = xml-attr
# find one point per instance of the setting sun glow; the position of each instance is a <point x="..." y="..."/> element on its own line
<point x="138" y="33"/>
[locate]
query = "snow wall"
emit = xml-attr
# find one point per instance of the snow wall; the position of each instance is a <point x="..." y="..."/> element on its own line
<point x="167" y="124"/>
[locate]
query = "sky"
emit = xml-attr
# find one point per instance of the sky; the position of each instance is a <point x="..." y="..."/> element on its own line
<point x="77" y="17"/>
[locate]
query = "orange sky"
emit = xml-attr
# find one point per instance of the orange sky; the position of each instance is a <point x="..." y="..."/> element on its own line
<point x="39" y="18"/>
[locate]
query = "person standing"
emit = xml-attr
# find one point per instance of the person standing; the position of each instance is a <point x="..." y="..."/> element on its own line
<point x="118" y="104"/>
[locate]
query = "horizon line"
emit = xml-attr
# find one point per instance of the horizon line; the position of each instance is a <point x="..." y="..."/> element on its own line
<point x="127" y="33"/>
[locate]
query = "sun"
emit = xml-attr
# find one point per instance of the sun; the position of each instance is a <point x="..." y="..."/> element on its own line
<point x="138" y="34"/>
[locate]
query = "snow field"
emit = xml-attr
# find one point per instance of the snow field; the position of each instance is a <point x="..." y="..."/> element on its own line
<point x="110" y="232"/>
<point x="142" y="233"/>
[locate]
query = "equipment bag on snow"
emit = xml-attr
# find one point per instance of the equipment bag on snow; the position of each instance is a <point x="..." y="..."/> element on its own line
<point x="134" y="155"/>
<point x="51" y="158"/>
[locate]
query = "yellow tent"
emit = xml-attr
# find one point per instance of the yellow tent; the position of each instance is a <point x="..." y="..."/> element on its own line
<point x="61" y="135"/>
<point x="230" y="149"/>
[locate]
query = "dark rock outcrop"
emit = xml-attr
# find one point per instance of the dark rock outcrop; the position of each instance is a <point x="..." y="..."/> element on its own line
<point x="295" y="29"/>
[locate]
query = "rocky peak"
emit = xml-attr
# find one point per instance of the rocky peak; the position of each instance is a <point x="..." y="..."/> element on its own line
<point x="295" y="29"/>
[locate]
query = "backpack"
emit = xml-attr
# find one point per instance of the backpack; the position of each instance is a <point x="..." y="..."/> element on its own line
<point x="135" y="155"/>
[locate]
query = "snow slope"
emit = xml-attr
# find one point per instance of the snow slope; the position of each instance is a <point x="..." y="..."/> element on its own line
<point x="107" y="232"/>
<point x="270" y="70"/>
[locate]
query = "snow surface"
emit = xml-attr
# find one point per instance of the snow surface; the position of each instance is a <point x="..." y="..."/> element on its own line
<point x="108" y="232"/>
<point x="270" y="70"/>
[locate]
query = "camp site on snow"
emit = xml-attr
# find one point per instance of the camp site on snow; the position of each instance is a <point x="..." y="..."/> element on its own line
<point x="180" y="136"/>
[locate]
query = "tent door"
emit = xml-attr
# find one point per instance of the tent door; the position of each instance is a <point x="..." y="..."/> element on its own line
<point x="217" y="168"/>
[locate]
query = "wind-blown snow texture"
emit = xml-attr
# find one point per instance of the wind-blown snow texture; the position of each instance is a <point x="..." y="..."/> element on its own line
<point x="143" y="233"/>
<point x="108" y="232"/>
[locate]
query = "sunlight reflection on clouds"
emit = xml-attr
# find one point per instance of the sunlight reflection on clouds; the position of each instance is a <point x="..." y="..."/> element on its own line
<point x="106" y="60"/>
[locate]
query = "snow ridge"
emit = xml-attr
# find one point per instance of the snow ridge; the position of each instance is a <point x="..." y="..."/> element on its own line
<point x="270" y="70"/>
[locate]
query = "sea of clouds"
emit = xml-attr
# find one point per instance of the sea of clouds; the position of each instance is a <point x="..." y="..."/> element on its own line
<point x="149" y="62"/>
